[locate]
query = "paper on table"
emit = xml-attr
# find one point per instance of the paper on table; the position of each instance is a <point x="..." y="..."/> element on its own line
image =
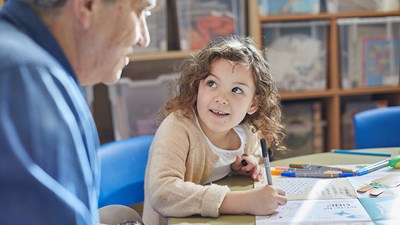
<point x="317" y="212"/>
<point x="312" y="188"/>
<point x="359" y="181"/>
<point x="383" y="208"/>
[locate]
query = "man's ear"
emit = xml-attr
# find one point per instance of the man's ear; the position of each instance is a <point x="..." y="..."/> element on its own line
<point x="83" y="11"/>
<point x="254" y="106"/>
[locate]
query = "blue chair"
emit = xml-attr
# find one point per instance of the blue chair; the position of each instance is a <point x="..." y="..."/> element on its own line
<point x="122" y="170"/>
<point x="377" y="128"/>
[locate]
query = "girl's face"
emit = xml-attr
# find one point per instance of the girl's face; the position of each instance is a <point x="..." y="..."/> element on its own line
<point x="225" y="96"/>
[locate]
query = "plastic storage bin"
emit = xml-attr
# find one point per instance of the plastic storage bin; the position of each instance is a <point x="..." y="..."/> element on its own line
<point x="200" y="22"/>
<point x="134" y="104"/>
<point x="276" y="7"/>
<point x="369" y="51"/>
<point x="304" y="128"/>
<point x="361" y="5"/>
<point x="297" y="53"/>
<point x="157" y="25"/>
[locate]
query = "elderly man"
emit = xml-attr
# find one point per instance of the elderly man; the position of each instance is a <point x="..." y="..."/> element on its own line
<point x="48" y="140"/>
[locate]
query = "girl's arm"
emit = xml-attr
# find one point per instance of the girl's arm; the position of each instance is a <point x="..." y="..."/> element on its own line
<point x="177" y="165"/>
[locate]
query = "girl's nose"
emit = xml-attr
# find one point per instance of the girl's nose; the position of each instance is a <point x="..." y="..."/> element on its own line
<point x="221" y="100"/>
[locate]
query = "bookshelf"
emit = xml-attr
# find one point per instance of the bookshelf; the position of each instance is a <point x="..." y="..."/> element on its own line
<point x="334" y="96"/>
<point x="142" y="66"/>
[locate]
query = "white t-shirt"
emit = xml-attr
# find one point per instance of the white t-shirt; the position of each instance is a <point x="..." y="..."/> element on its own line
<point x="226" y="157"/>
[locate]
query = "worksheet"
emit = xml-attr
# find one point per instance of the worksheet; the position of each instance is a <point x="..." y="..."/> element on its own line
<point x="360" y="181"/>
<point x="383" y="209"/>
<point x="314" y="188"/>
<point x="341" y="211"/>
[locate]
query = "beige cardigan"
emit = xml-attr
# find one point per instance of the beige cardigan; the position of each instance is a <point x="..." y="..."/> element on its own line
<point x="179" y="162"/>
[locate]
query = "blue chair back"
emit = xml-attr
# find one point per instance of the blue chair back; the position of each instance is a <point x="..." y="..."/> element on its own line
<point x="377" y="128"/>
<point x="122" y="170"/>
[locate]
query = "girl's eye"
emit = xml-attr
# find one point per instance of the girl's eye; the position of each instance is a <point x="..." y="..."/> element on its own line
<point x="237" y="90"/>
<point x="211" y="84"/>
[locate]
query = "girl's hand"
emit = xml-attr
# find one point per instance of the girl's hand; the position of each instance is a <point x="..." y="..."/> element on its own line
<point x="260" y="201"/>
<point x="265" y="200"/>
<point x="246" y="166"/>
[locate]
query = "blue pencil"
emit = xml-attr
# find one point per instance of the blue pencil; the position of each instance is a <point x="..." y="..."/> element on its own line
<point x="340" y="151"/>
<point x="373" y="167"/>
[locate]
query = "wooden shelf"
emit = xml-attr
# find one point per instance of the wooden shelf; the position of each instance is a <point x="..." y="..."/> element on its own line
<point x="334" y="96"/>
<point x="307" y="95"/>
<point x="342" y="92"/>
<point x="160" y="55"/>
<point x="370" y="90"/>
<point x="322" y="16"/>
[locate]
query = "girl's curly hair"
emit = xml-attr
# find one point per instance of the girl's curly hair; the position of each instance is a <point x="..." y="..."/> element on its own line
<point x="266" y="120"/>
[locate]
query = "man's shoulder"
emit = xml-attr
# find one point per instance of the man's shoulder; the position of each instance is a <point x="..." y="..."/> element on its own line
<point x="17" y="48"/>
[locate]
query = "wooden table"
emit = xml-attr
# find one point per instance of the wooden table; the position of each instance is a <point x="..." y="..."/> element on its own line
<point x="245" y="183"/>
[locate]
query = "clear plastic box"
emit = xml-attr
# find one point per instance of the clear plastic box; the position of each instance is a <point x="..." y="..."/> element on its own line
<point x="134" y="104"/>
<point x="276" y="7"/>
<point x="361" y="5"/>
<point x="304" y="128"/>
<point x="200" y="22"/>
<point x="369" y="51"/>
<point x="157" y="25"/>
<point x="297" y="52"/>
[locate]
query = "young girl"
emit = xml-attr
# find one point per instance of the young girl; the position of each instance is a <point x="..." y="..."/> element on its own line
<point x="226" y="103"/>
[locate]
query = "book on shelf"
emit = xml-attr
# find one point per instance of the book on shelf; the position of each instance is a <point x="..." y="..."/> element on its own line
<point x="350" y="109"/>
<point x="200" y="22"/>
<point x="379" y="61"/>
<point x="369" y="52"/>
<point x="356" y="33"/>
<point x="319" y="125"/>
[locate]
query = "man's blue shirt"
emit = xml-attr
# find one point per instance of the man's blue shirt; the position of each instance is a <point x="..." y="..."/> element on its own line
<point x="48" y="139"/>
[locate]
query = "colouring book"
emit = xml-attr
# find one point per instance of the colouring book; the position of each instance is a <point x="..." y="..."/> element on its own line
<point x="334" y="201"/>
<point x="317" y="212"/>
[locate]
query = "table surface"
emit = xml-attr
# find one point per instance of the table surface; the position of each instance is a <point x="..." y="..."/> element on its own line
<point x="237" y="183"/>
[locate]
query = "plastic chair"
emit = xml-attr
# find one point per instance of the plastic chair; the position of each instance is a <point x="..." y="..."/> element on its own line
<point x="377" y="128"/>
<point x="122" y="167"/>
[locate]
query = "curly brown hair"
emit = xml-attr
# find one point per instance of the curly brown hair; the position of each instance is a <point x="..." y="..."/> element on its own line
<point x="266" y="120"/>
